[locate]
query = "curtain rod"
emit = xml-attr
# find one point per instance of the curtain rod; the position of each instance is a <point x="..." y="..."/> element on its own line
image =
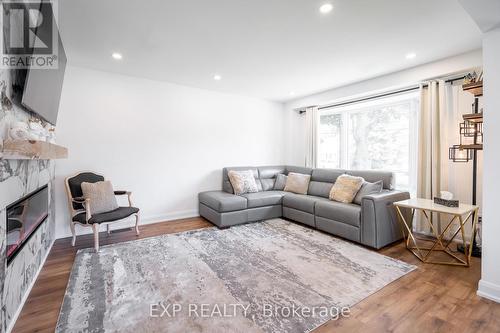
<point x="328" y="106"/>
<point x="368" y="98"/>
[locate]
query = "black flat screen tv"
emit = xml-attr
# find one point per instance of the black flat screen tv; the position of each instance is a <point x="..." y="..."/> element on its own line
<point x="39" y="90"/>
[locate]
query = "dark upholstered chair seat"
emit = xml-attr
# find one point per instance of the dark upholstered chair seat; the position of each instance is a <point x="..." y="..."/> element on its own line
<point x="114" y="215"/>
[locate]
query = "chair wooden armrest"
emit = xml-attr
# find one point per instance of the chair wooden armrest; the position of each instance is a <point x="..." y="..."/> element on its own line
<point x="128" y="194"/>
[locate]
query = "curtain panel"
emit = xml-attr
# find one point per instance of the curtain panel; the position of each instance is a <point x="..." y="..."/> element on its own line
<point x="311" y="136"/>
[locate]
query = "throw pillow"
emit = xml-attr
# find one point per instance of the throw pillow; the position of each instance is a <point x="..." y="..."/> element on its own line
<point x="367" y="189"/>
<point x="101" y="195"/>
<point x="242" y="182"/>
<point x="280" y="182"/>
<point x="345" y="188"/>
<point x="297" y="183"/>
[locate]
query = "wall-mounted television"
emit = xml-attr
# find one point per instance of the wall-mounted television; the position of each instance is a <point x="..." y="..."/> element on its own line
<point x="38" y="90"/>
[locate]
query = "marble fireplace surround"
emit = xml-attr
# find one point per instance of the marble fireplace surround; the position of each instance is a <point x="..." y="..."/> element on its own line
<point x="18" y="178"/>
<point x="17" y="278"/>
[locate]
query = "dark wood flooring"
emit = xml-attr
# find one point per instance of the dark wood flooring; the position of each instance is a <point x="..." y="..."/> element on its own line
<point x="434" y="298"/>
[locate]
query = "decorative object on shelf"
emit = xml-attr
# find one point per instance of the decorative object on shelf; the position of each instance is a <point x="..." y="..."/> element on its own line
<point x="37" y="131"/>
<point x="19" y="130"/>
<point x="459" y="154"/>
<point x="447" y="203"/>
<point x="50" y="131"/>
<point x="471" y="141"/>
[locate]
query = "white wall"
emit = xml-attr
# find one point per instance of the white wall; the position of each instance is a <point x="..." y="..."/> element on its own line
<point x="162" y="141"/>
<point x="295" y="122"/>
<point x="489" y="286"/>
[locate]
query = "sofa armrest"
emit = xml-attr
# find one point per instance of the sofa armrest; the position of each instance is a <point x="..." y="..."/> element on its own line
<point x="379" y="220"/>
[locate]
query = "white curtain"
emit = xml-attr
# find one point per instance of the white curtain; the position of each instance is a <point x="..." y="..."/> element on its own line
<point x="311" y="136"/>
<point x="441" y="109"/>
<point x="430" y="145"/>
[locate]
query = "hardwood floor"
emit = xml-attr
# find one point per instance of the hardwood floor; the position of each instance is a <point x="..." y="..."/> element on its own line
<point x="434" y="298"/>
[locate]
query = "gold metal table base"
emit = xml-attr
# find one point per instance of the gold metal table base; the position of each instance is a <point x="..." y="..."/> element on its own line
<point x="439" y="243"/>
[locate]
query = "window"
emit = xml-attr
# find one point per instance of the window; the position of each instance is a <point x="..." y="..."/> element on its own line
<point x="379" y="134"/>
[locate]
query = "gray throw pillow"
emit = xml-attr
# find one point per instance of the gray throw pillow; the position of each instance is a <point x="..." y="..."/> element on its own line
<point x="101" y="195"/>
<point x="367" y="189"/>
<point x="280" y="182"/>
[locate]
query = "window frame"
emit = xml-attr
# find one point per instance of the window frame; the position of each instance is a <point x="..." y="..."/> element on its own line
<point x="369" y="106"/>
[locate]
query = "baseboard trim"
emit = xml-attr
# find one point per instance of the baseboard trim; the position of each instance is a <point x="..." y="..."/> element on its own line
<point x="28" y="291"/>
<point x="489" y="290"/>
<point x="151" y="219"/>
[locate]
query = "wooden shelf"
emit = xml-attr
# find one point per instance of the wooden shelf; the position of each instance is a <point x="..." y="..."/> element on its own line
<point x="475" y="88"/>
<point x="473" y="117"/>
<point x="31" y="149"/>
<point x="475" y="147"/>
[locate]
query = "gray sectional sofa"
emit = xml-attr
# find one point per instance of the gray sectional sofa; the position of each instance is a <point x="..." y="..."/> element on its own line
<point x="373" y="223"/>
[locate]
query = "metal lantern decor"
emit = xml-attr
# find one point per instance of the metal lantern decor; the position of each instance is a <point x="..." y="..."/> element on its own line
<point x="459" y="154"/>
<point x="471" y="142"/>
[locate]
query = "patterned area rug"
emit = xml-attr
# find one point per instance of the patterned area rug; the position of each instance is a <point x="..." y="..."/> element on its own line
<point x="273" y="276"/>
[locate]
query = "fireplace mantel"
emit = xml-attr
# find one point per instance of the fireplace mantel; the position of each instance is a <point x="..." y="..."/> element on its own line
<point x="32" y="149"/>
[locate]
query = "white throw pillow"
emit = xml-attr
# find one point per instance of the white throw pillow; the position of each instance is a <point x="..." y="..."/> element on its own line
<point x="243" y="182"/>
<point x="101" y="195"/>
<point x="345" y="188"/>
<point x="297" y="183"/>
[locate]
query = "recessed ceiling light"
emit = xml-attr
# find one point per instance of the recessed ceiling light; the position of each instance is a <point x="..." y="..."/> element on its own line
<point x="411" y="55"/>
<point x="326" y="8"/>
<point x="117" y="56"/>
<point x="217" y="77"/>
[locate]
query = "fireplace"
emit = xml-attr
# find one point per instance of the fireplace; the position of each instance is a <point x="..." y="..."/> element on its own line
<point x="24" y="217"/>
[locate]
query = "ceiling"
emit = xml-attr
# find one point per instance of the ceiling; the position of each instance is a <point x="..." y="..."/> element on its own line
<point x="272" y="49"/>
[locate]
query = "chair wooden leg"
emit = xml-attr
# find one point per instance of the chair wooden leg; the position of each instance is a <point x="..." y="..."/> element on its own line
<point x="95" y="227"/>
<point x="137" y="218"/>
<point x="73" y="232"/>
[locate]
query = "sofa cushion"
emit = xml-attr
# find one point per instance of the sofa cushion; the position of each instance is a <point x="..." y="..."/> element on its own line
<point x="222" y="201"/>
<point x="340" y="212"/>
<point x="373" y="176"/>
<point x="267" y="176"/>
<point x="301" y="202"/>
<point x="114" y="215"/>
<point x="326" y="175"/>
<point x="265" y="198"/>
<point x="322" y="181"/>
<point x="297" y="169"/>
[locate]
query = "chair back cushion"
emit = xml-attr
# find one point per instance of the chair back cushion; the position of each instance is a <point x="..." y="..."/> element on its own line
<point x="75" y="185"/>
<point x="101" y="196"/>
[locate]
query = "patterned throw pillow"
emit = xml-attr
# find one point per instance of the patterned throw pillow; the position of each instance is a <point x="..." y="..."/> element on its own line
<point x="101" y="195"/>
<point x="297" y="183"/>
<point x="242" y="182"/>
<point x="345" y="188"/>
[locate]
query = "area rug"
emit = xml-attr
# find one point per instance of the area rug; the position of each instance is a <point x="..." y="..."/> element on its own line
<point x="272" y="276"/>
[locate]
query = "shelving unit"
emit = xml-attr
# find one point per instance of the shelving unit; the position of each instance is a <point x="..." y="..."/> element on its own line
<point x="32" y="149"/>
